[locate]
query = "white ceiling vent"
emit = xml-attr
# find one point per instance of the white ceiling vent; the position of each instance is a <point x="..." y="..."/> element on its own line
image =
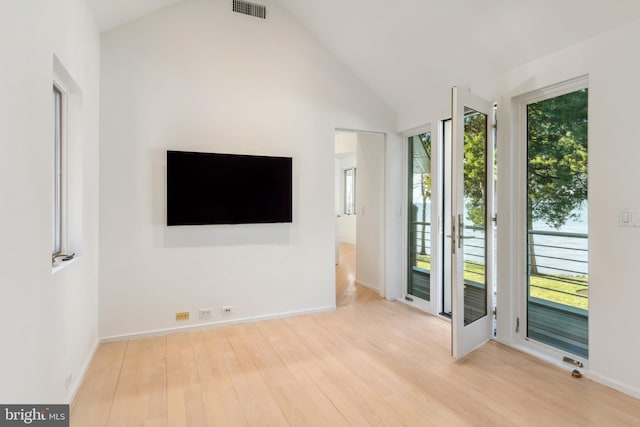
<point x="251" y="9"/>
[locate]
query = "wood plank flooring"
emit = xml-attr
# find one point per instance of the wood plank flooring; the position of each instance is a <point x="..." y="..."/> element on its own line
<point x="370" y="362"/>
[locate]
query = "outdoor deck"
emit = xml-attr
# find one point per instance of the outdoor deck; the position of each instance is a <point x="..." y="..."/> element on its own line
<point x="558" y="284"/>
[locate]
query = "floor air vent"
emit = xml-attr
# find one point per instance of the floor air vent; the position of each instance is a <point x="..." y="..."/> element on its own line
<point x="251" y="9"/>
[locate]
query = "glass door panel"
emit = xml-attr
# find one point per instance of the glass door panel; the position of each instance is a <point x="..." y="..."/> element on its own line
<point x="473" y="235"/>
<point x="446" y="219"/>
<point x="557" y="222"/>
<point x="419" y="240"/>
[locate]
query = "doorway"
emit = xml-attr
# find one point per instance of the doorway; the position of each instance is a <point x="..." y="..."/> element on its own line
<point x="359" y="204"/>
<point x="345" y="189"/>
<point x="450" y="221"/>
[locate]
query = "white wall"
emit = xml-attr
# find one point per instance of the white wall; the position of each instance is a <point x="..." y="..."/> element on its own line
<point x="196" y="76"/>
<point x="48" y="321"/>
<point x="370" y="152"/>
<point x="613" y="71"/>
<point x="613" y="177"/>
<point x="345" y="142"/>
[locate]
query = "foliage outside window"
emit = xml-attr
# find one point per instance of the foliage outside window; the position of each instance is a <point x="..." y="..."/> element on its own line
<point x="557" y="199"/>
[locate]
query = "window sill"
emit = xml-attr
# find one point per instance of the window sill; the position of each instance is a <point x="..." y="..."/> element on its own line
<point x="60" y="265"/>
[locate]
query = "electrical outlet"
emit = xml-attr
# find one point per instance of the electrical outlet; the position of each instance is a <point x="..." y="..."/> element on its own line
<point x="228" y="309"/>
<point x="205" y="313"/>
<point x="183" y="315"/>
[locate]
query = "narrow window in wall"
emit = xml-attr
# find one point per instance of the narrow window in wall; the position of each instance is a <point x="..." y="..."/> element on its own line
<point x="57" y="205"/>
<point x="66" y="167"/>
<point x="350" y="191"/>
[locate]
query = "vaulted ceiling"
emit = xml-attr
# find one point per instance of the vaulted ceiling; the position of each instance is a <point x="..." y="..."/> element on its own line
<point x="112" y="13"/>
<point x="409" y="51"/>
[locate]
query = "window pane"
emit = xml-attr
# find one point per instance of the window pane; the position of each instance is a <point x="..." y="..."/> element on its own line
<point x="350" y="191"/>
<point x="57" y="172"/>
<point x="419" y="268"/>
<point x="557" y="224"/>
<point x="474" y="218"/>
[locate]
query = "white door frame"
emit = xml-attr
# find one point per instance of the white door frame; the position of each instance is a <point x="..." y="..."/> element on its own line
<point x="433" y="305"/>
<point x="517" y="336"/>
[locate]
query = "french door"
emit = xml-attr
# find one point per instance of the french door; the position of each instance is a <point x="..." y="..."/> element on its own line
<point x="471" y="222"/>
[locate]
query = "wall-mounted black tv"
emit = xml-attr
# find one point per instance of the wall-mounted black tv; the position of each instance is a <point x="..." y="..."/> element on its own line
<point x="212" y="188"/>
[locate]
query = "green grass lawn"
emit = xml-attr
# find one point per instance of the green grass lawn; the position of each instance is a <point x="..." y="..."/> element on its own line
<point x="423" y="261"/>
<point x="548" y="288"/>
<point x="571" y="294"/>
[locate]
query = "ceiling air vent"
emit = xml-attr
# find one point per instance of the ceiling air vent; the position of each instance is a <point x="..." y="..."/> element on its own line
<point x="251" y="9"/>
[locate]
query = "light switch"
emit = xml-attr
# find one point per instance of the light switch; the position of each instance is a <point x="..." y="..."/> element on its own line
<point x="625" y="218"/>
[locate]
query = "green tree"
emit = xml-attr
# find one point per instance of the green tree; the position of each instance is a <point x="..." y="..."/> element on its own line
<point x="425" y="184"/>
<point x="475" y="181"/>
<point x="557" y="143"/>
<point x="557" y="153"/>
<point x="557" y="137"/>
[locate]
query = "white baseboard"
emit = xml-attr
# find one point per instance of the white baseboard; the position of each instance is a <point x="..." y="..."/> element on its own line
<point x="158" y="332"/>
<point x="631" y="391"/>
<point x="368" y="286"/>
<point x="73" y="392"/>
<point x="587" y="373"/>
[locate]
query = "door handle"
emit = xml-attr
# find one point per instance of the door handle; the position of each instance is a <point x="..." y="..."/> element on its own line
<point x="453" y="235"/>
<point x="460" y="231"/>
<point x="459" y="235"/>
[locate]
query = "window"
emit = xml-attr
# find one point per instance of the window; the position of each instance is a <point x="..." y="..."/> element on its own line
<point x="350" y="191"/>
<point x="557" y="220"/>
<point x="66" y="168"/>
<point x="57" y="205"/>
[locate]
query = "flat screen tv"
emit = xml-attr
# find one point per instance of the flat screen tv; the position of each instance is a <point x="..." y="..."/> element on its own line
<point x="212" y="188"/>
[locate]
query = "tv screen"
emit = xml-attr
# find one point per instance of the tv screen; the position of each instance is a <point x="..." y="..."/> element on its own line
<point x="212" y="188"/>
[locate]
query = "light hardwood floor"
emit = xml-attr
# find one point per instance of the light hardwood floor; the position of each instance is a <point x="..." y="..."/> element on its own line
<point x="370" y="362"/>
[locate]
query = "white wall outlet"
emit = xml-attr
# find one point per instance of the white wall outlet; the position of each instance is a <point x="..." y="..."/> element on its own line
<point x="205" y="313"/>
<point x="228" y="309"/>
